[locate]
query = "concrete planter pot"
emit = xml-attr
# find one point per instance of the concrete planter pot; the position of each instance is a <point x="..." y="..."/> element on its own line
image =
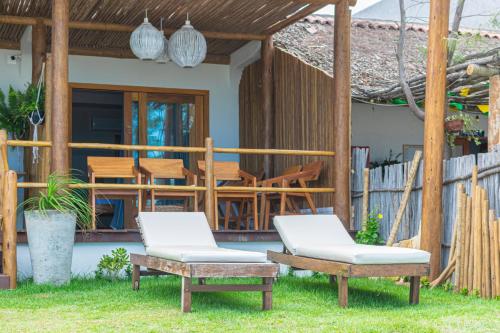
<point x="51" y="237"/>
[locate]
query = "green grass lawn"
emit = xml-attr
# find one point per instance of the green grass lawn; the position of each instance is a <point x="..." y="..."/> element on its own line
<point x="300" y="305"/>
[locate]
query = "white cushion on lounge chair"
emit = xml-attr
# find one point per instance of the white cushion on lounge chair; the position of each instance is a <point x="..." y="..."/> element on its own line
<point x="186" y="237"/>
<point x="365" y="254"/>
<point x="311" y="230"/>
<point x="175" y="228"/>
<point x="205" y="254"/>
<point x="324" y="237"/>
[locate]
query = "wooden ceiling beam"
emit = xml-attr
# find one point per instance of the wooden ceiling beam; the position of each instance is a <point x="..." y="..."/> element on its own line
<point x="127" y="54"/>
<point x="9" y="45"/>
<point x="100" y="26"/>
<point x="324" y="2"/>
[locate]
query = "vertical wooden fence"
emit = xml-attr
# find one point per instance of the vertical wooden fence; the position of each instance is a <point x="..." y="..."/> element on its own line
<point x="387" y="185"/>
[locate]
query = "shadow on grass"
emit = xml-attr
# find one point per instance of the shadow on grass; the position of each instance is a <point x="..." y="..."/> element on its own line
<point x="359" y="296"/>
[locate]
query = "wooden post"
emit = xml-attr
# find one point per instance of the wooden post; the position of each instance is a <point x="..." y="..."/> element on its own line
<point x="342" y="112"/>
<point x="60" y="93"/>
<point x="210" y="210"/>
<point x="406" y="196"/>
<point x="38" y="49"/>
<point x="494" y="116"/>
<point x="459" y="222"/>
<point x="9" y="235"/>
<point x="435" y="99"/>
<point x="267" y="55"/>
<point x="366" y="196"/>
<point x="47" y="128"/>
<point x="4" y="163"/>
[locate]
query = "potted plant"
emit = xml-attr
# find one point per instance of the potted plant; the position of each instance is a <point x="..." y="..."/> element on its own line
<point x="464" y="125"/>
<point x="16" y="109"/>
<point x="51" y="219"/>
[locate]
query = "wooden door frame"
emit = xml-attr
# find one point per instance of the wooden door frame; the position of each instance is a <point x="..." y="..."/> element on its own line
<point x="201" y="99"/>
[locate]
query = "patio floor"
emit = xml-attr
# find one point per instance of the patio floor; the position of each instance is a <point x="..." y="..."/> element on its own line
<point x="300" y="305"/>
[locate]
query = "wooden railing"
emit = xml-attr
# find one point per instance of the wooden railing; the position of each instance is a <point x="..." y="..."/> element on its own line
<point x="9" y="184"/>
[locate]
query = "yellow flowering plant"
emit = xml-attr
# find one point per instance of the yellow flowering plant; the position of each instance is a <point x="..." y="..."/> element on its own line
<point x="371" y="233"/>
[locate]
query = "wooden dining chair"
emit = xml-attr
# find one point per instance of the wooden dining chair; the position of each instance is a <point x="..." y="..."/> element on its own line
<point x="165" y="169"/>
<point x="229" y="173"/>
<point x="266" y="199"/>
<point x="288" y="200"/>
<point x="104" y="167"/>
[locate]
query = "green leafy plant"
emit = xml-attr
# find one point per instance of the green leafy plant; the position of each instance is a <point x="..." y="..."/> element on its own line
<point x="111" y="266"/>
<point x="389" y="160"/>
<point x="371" y="233"/>
<point x="59" y="197"/>
<point x="16" y="109"/>
<point x="471" y="130"/>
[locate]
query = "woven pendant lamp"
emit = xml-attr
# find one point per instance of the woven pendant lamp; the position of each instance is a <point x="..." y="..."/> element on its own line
<point x="187" y="46"/>
<point x="163" y="58"/>
<point x="146" y="41"/>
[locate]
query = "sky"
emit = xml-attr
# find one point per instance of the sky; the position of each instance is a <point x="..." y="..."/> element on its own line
<point x="360" y="5"/>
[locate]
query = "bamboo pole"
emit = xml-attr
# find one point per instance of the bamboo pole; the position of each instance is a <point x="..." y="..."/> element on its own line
<point x="109" y="146"/>
<point x="470" y="265"/>
<point x="445" y="274"/>
<point x="494" y="114"/>
<point x="476" y="287"/>
<point x="459" y="222"/>
<point x="3" y="148"/>
<point x="111" y="186"/>
<point x="366" y="196"/>
<point x="9" y="234"/>
<point x="496" y="235"/>
<point x="466" y="248"/>
<point x="486" y="274"/>
<point x="406" y="196"/>
<point x="493" y="253"/>
<point x="252" y="151"/>
<point x="210" y="210"/>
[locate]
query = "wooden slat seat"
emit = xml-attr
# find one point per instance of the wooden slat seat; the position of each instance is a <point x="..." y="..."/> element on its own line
<point x="104" y="167"/>
<point x="164" y="169"/>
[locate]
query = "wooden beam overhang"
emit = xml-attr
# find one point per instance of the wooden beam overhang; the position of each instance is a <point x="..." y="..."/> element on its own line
<point x="111" y="27"/>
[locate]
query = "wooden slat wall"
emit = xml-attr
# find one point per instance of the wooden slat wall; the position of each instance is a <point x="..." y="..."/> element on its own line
<point x="303" y="103"/>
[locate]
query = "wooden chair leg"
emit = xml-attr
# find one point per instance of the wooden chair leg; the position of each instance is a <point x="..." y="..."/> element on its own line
<point x="342" y="282"/>
<point x="255" y="211"/>
<point x="186" y="294"/>
<point x="216" y="217"/>
<point x="195" y="201"/>
<point x="267" y="214"/>
<point x="227" y="215"/>
<point x="153" y="201"/>
<point x="247" y="213"/>
<point x="136" y="277"/>
<point x="240" y="214"/>
<point x="283" y="203"/>
<point x="185" y="206"/>
<point x="263" y="208"/>
<point x="267" y="296"/>
<point x="414" y="289"/>
<point x="139" y="200"/>
<point x="310" y="202"/>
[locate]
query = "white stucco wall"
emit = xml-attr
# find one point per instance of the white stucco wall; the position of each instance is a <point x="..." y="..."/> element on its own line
<point x="383" y="128"/>
<point x="86" y="255"/>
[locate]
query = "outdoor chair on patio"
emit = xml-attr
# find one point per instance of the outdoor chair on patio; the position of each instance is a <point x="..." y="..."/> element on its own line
<point x="320" y="243"/>
<point x="182" y="244"/>
<point x="300" y="178"/>
<point x="229" y="173"/>
<point x="266" y="199"/>
<point x="155" y="169"/>
<point x="118" y="168"/>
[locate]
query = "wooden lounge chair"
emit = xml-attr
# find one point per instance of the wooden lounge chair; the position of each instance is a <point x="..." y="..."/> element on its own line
<point x="112" y="168"/>
<point x="231" y="174"/>
<point x="182" y="243"/>
<point x="320" y="243"/>
<point x="155" y="169"/>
